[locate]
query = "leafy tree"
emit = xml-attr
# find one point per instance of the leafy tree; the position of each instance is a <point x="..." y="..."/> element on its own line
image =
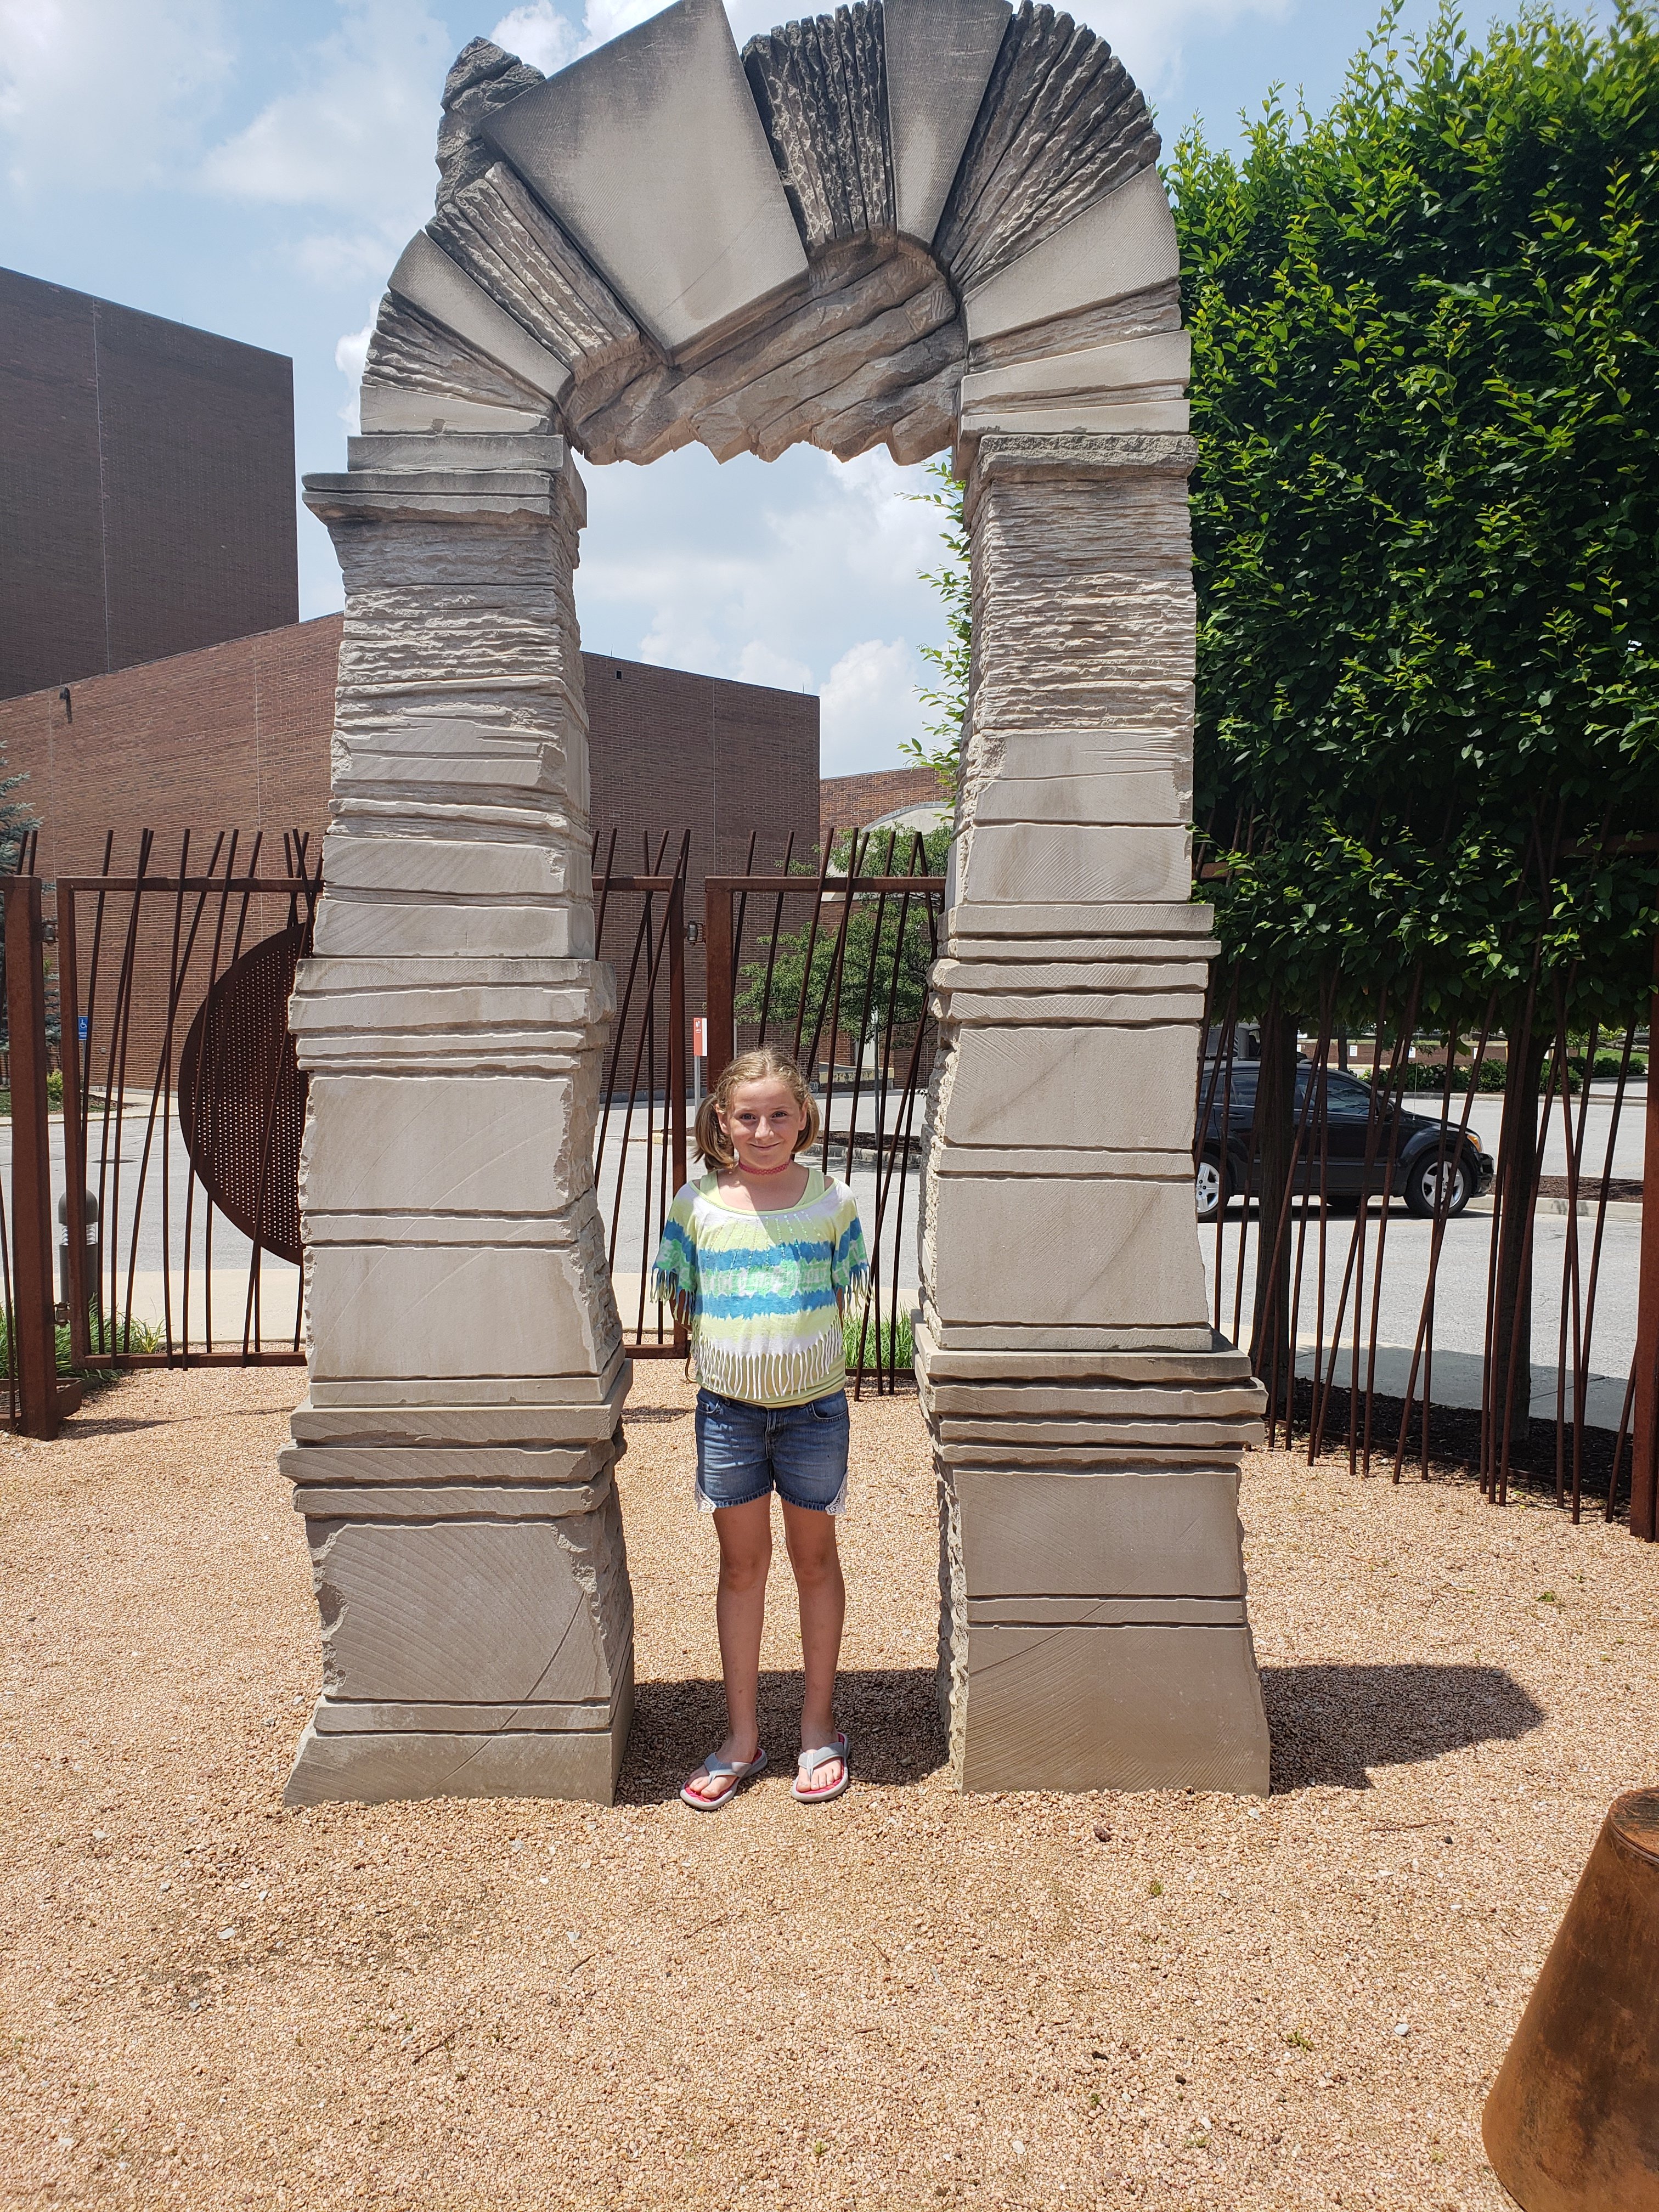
<point x="889" y="949"/>
<point x="947" y="700"/>
<point x="16" y="822"/>
<point x="1425" y="517"/>
<point x="1425" y="521"/>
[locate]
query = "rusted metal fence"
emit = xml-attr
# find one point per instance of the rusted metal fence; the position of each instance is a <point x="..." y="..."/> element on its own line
<point x="1433" y="1247"/>
<point x="834" y="967"/>
<point x="1396" y="1242"/>
<point x="640" y="1143"/>
<point x="174" y="1148"/>
<point x="155" y="1006"/>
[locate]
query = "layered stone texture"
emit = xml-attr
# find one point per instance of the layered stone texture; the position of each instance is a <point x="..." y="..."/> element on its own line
<point x="1087" y="1426"/>
<point x="453" y="1457"/>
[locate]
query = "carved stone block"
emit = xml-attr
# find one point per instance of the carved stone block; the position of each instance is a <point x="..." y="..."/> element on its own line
<point x="939" y="58"/>
<point x="651" y="154"/>
<point x="1124" y="242"/>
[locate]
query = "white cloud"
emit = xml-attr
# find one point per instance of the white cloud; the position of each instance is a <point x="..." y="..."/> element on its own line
<point x="868" y="706"/>
<point x="1152" y="36"/>
<point x="802" y="572"/>
<point x="356" y="135"/>
<point x="760" y="663"/>
<point x="351" y="353"/>
<point x="540" y="35"/>
<point x="106" y="94"/>
<point x="548" y="38"/>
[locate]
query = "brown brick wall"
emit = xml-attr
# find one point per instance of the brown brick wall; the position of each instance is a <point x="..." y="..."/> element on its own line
<point x="146" y="487"/>
<point x="233" y="737"/>
<point x="849" y="801"/>
<point x="236" y="736"/>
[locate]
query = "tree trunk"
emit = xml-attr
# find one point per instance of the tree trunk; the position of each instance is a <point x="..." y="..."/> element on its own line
<point x="1510" y="1393"/>
<point x="1272" y="1353"/>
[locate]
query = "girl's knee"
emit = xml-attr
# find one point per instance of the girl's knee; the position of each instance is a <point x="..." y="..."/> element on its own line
<point x="745" y="1571"/>
<point x="815" y="1558"/>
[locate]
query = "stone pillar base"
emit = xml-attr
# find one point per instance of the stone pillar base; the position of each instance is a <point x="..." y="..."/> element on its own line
<point x="478" y="1623"/>
<point x="346" y="1754"/>
<point x="1093" y="1633"/>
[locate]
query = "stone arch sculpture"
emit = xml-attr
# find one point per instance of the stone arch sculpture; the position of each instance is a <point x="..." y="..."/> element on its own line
<point x="917" y="223"/>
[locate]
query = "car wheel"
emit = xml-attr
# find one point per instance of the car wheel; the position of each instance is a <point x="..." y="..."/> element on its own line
<point x="1210" y="1187"/>
<point x="1435" y="1185"/>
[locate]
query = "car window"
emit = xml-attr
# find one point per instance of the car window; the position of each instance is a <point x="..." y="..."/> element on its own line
<point x="1234" y="1090"/>
<point x="1348" y="1099"/>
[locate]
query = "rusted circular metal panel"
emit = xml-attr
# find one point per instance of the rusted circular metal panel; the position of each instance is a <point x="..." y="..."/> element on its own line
<point x="242" y="1096"/>
<point x="1572" y="2122"/>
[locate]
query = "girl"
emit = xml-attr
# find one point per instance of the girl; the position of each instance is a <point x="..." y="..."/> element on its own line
<point x="759" y="1260"/>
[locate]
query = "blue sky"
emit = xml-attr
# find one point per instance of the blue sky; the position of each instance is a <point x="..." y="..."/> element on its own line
<point x="254" y="166"/>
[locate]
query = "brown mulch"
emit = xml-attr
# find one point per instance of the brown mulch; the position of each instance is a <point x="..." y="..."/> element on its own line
<point x="907" y="1999"/>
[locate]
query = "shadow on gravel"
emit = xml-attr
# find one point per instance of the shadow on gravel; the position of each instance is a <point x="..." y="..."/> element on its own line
<point x="1330" y="1723"/>
<point x="81" y="1425"/>
<point x="890" y="1715"/>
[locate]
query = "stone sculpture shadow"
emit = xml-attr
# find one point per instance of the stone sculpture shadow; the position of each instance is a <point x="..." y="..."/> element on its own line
<point x="1330" y="1723"/>
<point x="890" y="1713"/>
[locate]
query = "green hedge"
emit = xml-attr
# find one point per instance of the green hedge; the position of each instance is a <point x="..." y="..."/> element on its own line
<point x="1423" y="1075"/>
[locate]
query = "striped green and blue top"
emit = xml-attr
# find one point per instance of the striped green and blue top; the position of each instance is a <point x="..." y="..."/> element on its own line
<point x="762" y="1293"/>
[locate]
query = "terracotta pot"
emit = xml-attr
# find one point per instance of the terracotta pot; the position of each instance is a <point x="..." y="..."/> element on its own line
<point x="1572" y="2122"/>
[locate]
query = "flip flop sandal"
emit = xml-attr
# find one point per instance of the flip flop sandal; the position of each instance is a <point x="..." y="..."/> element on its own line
<point x="716" y="1770"/>
<point x="808" y="1765"/>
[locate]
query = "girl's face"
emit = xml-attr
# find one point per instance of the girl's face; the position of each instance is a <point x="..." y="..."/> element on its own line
<point x="763" y="1123"/>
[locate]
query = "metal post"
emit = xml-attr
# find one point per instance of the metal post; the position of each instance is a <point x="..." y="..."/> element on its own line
<point x="75" y="1133"/>
<point x="1644" y="1462"/>
<point x="33" y="1327"/>
<point x="717" y="938"/>
<point x="676" y="1049"/>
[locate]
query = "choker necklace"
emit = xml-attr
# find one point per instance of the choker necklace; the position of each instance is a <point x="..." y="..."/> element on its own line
<point x="766" y="1171"/>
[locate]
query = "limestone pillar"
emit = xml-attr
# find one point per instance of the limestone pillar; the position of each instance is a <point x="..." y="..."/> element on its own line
<point x="1087" y="1423"/>
<point x="453" y="1457"/>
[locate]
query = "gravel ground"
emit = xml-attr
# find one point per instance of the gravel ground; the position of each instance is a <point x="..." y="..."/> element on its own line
<point x="908" y="1998"/>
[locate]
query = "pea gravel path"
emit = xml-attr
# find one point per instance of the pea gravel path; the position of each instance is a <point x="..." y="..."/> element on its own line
<point x="909" y="1999"/>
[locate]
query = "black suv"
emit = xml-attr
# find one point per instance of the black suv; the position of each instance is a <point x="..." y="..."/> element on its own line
<point x="1433" y="1167"/>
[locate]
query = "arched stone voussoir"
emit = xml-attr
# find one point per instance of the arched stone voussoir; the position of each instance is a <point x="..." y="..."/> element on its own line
<point x="420" y="376"/>
<point x="667" y="243"/>
<point x="650" y="154"/>
<point x="875" y="343"/>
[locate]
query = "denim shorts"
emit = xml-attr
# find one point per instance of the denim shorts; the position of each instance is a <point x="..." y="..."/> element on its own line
<point x="743" y="1451"/>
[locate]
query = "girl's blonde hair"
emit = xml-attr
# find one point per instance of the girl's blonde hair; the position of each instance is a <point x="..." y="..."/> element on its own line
<point x="765" y="1064"/>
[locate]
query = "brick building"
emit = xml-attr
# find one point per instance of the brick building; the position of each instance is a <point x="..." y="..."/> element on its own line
<point x="848" y="802"/>
<point x="236" y="736"/>
<point x="146" y="497"/>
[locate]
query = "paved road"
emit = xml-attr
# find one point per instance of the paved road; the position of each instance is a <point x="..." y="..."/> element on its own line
<point x="1487" y="1115"/>
<point x="1459" y="1300"/>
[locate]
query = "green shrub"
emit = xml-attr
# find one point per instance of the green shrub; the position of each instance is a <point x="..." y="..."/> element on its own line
<point x="54" y="1095"/>
<point x="892" y="1338"/>
<point x="1421" y="1075"/>
<point x="134" y="1336"/>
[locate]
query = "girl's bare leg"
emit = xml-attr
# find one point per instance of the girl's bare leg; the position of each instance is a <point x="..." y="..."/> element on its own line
<point x="811" y="1538"/>
<point x="745" y="1541"/>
